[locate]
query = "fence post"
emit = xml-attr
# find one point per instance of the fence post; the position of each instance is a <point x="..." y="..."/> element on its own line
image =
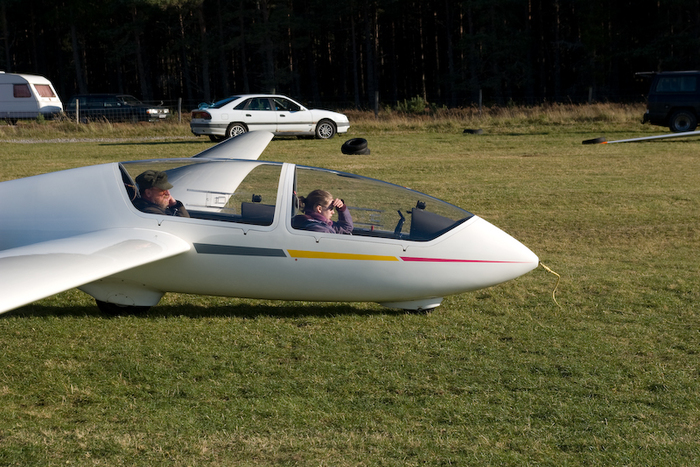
<point x="179" y="110"/>
<point x="77" y="111"/>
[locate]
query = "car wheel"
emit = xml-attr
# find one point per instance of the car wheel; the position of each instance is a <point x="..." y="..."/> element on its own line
<point x="355" y="146"/>
<point x="325" y="129"/>
<point x="235" y="129"/>
<point x="683" y="120"/>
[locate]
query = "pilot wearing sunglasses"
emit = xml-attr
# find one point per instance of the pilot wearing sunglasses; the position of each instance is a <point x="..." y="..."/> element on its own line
<point x="318" y="209"/>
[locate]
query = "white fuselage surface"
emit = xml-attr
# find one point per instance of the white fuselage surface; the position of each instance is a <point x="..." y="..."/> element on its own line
<point x="407" y="249"/>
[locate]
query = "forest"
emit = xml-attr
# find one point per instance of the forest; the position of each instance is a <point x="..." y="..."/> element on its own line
<point x="353" y="53"/>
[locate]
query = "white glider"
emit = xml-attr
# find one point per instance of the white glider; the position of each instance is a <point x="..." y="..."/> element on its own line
<point x="80" y="228"/>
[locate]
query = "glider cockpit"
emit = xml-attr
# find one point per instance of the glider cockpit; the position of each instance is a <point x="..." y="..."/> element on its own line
<point x="254" y="192"/>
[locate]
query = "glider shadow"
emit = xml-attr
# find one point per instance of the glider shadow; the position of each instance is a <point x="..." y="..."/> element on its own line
<point x="196" y="311"/>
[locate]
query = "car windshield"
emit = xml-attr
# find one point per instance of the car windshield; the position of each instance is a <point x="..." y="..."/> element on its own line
<point x="130" y="100"/>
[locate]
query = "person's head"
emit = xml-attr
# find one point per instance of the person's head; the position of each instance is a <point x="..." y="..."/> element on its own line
<point x="319" y="201"/>
<point x="154" y="187"/>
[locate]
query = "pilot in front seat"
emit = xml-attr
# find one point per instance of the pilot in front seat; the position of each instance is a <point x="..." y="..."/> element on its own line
<point x="155" y="197"/>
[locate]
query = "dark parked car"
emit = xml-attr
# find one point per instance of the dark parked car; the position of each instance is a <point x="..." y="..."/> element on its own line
<point x="114" y="108"/>
<point x="674" y="100"/>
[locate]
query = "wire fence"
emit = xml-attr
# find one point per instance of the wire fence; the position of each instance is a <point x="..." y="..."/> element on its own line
<point x="178" y="110"/>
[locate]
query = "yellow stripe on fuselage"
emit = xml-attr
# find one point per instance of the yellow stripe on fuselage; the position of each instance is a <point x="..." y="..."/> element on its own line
<point x="347" y="256"/>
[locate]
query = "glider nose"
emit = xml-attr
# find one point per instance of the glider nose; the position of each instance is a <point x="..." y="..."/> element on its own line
<point x="507" y="257"/>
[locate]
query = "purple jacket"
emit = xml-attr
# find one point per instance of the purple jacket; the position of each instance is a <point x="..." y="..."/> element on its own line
<point x="316" y="222"/>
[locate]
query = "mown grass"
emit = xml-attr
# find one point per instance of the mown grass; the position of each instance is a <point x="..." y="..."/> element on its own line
<point x="501" y="376"/>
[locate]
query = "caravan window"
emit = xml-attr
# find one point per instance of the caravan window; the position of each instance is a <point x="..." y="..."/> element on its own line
<point x="44" y="90"/>
<point x="21" y="90"/>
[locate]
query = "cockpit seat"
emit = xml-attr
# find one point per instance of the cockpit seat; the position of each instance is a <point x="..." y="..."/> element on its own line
<point x="426" y="225"/>
<point x="257" y="213"/>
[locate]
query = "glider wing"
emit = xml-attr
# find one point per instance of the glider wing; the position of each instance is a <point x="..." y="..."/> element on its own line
<point x="32" y="272"/>
<point x="246" y="146"/>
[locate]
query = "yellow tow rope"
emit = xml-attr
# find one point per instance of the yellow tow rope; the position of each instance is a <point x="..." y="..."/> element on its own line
<point x="556" y="285"/>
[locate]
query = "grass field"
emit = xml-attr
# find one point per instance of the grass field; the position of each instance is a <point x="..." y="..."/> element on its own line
<point x="502" y="376"/>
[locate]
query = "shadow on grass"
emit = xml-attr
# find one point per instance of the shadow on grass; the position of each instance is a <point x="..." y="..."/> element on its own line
<point x="159" y="143"/>
<point x="249" y="311"/>
<point x="523" y="133"/>
<point x="182" y="140"/>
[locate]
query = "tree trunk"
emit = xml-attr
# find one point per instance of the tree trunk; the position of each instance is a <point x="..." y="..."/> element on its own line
<point x="355" y="63"/>
<point x="223" y="63"/>
<point x="6" y="37"/>
<point x="204" y="53"/>
<point x="423" y="89"/>
<point x="185" y="63"/>
<point x="244" y="60"/>
<point x="557" y="53"/>
<point x="370" y="53"/>
<point x="473" y="58"/>
<point x="140" y="62"/>
<point x="267" y="49"/>
<point x="450" y="56"/>
<point x="79" y="75"/>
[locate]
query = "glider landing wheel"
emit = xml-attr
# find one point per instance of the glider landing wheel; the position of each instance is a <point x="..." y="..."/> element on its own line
<point x="116" y="310"/>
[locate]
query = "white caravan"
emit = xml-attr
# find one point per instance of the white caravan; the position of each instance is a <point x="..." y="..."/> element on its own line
<point x="27" y="96"/>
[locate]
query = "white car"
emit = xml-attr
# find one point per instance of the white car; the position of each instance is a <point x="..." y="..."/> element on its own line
<point x="277" y="114"/>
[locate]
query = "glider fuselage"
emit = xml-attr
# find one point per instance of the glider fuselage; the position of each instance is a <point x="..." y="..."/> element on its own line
<point x="220" y="251"/>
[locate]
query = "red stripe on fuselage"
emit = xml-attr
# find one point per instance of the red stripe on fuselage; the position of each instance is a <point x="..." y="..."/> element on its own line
<point x="447" y="260"/>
